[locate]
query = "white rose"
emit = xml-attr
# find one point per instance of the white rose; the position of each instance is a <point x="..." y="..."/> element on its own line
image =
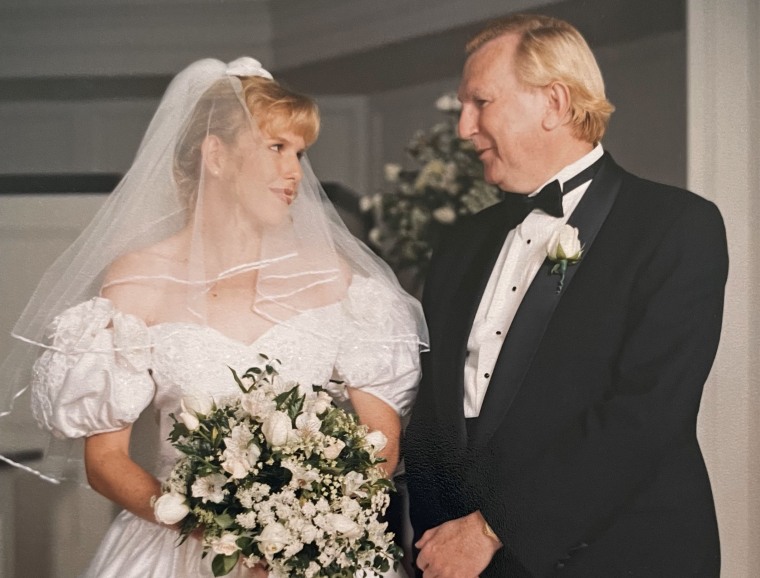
<point x="273" y="538"/>
<point x="170" y="508"/>
<point x="377" y="440"/>
<point x="225" y="544"/>
<point x="343" y="525"/>
<point x="564" y="244"/>
<point x="445" y="215"/>
<point x="277" y="428"/>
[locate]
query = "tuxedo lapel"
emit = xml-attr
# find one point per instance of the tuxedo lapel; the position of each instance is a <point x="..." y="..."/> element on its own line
<point x="535" y="311"/>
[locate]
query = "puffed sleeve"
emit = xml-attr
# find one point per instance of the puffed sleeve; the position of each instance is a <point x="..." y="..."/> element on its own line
<point x="379" y="349"/>
<point x="94" y="376"/>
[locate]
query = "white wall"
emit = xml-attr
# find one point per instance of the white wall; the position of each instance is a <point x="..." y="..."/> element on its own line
<point x="49" y="531"/>
<point x="724" y="148"/>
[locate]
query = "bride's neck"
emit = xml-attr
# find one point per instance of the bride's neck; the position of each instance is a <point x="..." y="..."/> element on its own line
<point x="227" y="241"/>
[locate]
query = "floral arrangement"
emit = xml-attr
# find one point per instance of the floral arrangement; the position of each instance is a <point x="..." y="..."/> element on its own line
<point x="447" y="185"/>
<point x="279" y="477"/>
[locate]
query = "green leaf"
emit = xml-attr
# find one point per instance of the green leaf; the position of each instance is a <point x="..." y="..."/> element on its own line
<point x="237" y="380"/>
<point x="223" y="565"/>
<point x="224" y="521"/>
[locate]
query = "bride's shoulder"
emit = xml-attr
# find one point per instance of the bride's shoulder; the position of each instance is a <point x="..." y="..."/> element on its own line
<point x="137" y="282"/>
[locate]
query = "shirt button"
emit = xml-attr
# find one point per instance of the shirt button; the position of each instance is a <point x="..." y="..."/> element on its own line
<point x="498" y="333"/>
<point x="487" y="375"/>
<point x="514" y="288"/>
<point x="528" y="241"/>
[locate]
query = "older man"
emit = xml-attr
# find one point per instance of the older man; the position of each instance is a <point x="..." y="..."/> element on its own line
<point x="555" y="428"/>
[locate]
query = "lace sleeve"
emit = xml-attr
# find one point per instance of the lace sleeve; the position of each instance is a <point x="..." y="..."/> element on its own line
<point x="379" y="350"/>
<point x="93" y="378"/>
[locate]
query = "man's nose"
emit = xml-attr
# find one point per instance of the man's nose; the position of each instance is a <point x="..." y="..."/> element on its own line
<point x="467" y="125"/>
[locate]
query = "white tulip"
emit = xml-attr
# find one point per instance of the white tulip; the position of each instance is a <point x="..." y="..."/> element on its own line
<point x="198" y="404"/>
<point x="277" y="428"/>
<point x="170" y="508"/>
<point x="190" y="420"/>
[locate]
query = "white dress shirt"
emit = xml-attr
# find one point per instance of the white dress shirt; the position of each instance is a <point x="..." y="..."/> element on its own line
<point x="521" y="256"/>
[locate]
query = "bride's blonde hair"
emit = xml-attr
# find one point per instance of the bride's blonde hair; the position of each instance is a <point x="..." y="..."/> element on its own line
<point x="219" y="112"/>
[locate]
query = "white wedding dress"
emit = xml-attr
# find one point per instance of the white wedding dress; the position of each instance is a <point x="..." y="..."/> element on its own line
<point x="128" y="365"/>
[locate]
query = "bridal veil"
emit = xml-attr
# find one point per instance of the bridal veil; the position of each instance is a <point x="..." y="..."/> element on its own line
<point x="175" y="206"/>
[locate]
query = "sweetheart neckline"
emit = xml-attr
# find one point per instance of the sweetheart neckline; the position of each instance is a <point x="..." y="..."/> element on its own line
<point x="239" y="342"/>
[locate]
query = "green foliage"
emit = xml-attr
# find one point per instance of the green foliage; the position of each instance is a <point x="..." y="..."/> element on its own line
<point x="445" y="185"/>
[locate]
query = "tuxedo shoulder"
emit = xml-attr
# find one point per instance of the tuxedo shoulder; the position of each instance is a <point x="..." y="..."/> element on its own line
<point x="665" y="200"/>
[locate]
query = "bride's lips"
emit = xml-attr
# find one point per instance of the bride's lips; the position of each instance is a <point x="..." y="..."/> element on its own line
<point x="287" y="195"/>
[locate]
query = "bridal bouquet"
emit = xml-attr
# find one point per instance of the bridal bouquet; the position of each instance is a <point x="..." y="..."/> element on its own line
<point x="277" y="476"/>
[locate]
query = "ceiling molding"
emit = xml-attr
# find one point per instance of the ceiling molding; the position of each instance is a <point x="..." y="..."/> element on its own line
<point x="307" y="31"/>
<point x="115" y="40"/>
<point x="371" y="67"/>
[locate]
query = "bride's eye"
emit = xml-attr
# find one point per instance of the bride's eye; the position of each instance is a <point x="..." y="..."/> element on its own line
<point x="277" y="147"/>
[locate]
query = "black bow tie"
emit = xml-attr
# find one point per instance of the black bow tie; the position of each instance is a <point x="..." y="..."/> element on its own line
<point x="549" y="198"/>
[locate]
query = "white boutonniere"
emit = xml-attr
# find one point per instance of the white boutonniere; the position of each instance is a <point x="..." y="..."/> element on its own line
<point x="563" y="249"/>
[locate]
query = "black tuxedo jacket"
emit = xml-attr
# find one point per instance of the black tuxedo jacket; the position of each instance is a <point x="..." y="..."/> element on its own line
<point x="584" y="458"/>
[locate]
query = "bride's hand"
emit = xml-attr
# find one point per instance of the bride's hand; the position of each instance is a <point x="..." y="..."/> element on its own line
<point x="260" y="570"/>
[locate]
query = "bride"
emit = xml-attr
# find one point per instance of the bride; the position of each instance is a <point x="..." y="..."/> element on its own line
<point x="216" y="246"/>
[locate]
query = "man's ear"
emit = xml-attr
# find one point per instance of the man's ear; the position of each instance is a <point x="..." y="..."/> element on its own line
<point x="557" y="105"/>
<point x="213" y="155"/>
